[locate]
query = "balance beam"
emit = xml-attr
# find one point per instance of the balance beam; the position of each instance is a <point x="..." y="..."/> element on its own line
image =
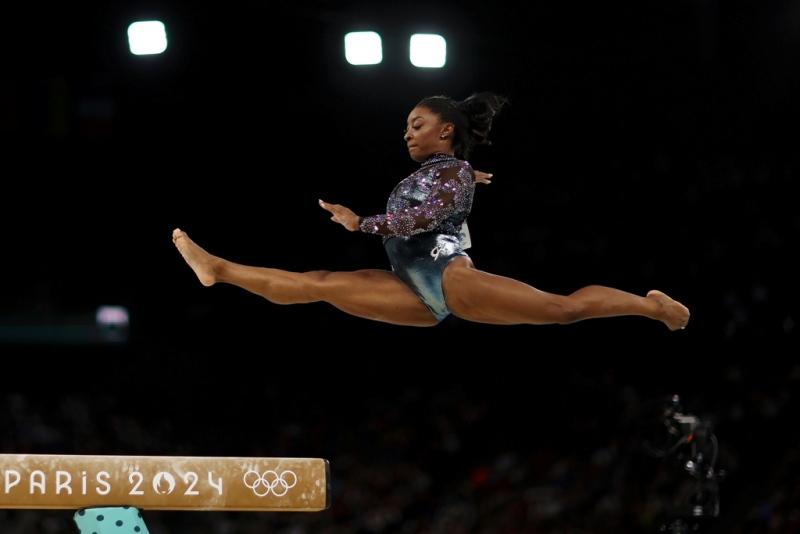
<point x="164" y="483"/>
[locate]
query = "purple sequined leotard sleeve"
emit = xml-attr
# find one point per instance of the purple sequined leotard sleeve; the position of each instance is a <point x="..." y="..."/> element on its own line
<point x="437" y="198"/>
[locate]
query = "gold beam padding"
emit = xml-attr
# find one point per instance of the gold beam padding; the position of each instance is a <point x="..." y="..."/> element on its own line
<point x="164" y="482"/>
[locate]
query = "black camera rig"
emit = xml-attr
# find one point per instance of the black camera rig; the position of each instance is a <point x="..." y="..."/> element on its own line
<point x="692" y="446"/>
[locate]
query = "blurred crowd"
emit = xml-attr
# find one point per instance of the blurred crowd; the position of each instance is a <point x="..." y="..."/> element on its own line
<point x="458" y="460"/>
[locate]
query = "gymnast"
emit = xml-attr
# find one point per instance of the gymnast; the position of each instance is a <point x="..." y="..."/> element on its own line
<point x="423" y="232"/>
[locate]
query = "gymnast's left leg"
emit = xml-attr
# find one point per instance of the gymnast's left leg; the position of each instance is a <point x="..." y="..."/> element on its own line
<point x="372" y="294"/>
<point x="482" y="297"/>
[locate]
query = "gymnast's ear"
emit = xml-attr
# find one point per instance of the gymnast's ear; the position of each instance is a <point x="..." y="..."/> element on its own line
<point x="447" y="130"/>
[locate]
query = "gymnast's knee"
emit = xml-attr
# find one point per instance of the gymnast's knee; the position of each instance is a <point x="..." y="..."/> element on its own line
<point x="317" y="276"/>
<point x="316" y="284"/>
<point x="295" y="288"/>
<point x="566" y="310"/>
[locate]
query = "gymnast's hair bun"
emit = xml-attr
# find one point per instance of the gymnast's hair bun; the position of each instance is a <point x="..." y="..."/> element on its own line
<point x="471" y="118"/>
<point x="480" y="110"/>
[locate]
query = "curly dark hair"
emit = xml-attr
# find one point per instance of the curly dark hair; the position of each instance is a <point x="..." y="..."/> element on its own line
<point x="471" y="118"/>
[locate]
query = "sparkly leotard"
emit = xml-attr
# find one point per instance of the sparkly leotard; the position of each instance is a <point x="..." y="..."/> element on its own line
<point x="421" y="226"/>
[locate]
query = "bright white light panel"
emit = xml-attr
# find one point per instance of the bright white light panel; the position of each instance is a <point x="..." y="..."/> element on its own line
<point x="363" y="48"/>
<point x="147" y="37"/>
<point x="112" y="316"/>
<point x="428" y="50"/>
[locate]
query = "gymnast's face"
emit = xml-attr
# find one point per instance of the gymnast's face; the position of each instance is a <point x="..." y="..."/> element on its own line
<point x="426" y="134"/>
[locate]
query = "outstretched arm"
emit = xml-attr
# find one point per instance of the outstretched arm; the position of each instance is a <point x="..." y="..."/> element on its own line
<point x="439" y="204"/>
<point x="450" y="193"/>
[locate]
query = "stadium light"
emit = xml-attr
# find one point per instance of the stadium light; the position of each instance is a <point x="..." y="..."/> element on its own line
<point x="428" y="50"/>
<point x="112" y="316"/>
<point x="147" y="37"/>
<point x="363" y="48"/>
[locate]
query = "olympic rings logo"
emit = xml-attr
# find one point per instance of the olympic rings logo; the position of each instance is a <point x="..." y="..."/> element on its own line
<point x="270" y="481"/>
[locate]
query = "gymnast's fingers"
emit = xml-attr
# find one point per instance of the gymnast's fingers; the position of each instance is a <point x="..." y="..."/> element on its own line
<point x="328" y="207"/>
<point x="483" y="178"/>
<point x="331" y="207"/>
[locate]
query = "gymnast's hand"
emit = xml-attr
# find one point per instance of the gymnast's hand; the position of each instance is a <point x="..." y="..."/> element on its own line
<point x="341" y="215"/>
<point x="482" y="177"/>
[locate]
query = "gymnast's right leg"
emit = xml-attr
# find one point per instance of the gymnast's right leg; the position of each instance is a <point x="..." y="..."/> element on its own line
<point x="371" y="294"/>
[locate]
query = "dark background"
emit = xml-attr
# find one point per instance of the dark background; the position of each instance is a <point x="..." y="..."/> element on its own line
<point x="647" y="145"/>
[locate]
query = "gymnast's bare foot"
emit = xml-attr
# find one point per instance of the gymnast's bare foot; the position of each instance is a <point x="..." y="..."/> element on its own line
<point x="201" y="262"/>
<point x="673" y="314"/>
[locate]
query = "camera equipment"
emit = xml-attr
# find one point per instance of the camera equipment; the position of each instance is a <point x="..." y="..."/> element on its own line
<point x="689" y="444"/>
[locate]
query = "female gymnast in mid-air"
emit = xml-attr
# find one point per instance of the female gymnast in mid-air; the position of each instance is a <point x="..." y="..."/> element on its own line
<point x="431" y="275"/>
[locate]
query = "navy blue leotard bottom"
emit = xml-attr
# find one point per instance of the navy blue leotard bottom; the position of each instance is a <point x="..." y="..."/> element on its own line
<point x="419" y="260"/>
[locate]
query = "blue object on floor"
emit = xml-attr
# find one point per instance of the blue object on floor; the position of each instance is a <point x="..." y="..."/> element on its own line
<point x="110" y="520"/>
